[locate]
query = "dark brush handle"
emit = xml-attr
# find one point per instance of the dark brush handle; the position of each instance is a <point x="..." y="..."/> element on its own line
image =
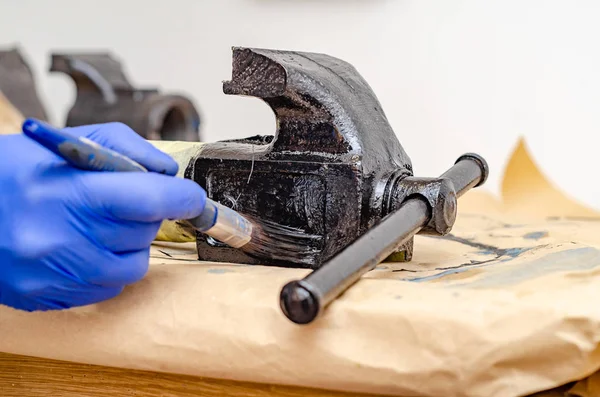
<point x="302" y="301"/>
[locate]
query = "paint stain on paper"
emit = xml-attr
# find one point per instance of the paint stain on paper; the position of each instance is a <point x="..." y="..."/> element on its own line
<point x="535" y="235"/>
<point x="219" y="271"/>
<point x="578" y="259"/>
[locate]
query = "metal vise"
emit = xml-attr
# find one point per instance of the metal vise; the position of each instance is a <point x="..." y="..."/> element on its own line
<point x="18" y="85"/>
<point x="104" y="94"/>
<point x="334" y="167"/>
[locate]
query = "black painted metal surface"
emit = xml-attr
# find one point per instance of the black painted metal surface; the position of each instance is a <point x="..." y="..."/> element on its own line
<point x="18" y="85"/>
<point x="334" y="167"/>
<point x="104" y="94"/>
<point x="326" y="168"/>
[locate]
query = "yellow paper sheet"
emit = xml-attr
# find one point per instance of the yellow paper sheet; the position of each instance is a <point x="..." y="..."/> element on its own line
<point x="10" y="118"/>
<point x="507" y="305"/>
<point x="175" y="231"/>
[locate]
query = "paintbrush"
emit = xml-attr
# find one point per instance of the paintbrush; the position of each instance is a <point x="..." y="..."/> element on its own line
<point x="253" y="236"/>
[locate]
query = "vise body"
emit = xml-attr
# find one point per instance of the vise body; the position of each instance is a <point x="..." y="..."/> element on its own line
<point x="333" y="169"/>
<point x="104" y="94"/>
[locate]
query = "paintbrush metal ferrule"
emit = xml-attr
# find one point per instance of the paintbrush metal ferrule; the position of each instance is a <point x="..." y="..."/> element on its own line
<point x="223" y="224"/>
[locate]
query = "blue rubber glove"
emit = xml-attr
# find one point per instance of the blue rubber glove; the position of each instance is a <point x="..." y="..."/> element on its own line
<point x="70" y="237"/>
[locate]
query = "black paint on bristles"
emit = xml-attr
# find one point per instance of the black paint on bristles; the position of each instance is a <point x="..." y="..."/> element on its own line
<point x="278" y="242"/>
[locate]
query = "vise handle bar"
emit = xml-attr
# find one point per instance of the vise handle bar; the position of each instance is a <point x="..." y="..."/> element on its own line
<point x="302" y="301"/>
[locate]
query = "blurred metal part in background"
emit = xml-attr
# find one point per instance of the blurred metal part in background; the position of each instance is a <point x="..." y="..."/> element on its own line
<point x="104" y="94"/>
<point x="18" y="85"/>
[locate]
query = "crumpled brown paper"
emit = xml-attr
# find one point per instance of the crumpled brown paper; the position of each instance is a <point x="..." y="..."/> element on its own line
<point x="507" y="305"/>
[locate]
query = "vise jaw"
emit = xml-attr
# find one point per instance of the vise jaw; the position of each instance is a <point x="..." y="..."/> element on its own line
<point x="333" y="167"/>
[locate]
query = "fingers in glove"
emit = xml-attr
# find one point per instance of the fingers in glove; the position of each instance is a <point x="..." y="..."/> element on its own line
<point x="119" y="137"/>
<point x="107" y="269"/>
<point x="143" y="197"/>
<point x="118" y="236"/>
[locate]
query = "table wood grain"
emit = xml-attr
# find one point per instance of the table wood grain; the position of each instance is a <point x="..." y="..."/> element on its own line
<point x="22" y="376"/>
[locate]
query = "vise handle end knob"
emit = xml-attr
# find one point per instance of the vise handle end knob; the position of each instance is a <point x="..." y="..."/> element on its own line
<point x="298" y="303"/>
<point x="464" y="176"/>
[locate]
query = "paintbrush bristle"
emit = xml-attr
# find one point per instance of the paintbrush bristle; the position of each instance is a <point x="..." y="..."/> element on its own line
<point x="277" y="242"/>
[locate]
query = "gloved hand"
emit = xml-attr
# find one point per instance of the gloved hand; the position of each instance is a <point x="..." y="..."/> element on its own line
<point x="70" y="237"/>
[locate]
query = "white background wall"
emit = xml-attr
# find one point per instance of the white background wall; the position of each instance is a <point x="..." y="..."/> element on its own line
<point x="453" y="76"/>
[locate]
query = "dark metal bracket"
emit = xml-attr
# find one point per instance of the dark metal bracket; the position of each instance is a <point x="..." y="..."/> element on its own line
<point x="104" y="94"/>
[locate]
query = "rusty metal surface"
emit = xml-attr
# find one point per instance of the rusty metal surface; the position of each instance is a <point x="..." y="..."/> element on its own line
<point x="17" y="83"/>
<point x="104" y="94"/>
